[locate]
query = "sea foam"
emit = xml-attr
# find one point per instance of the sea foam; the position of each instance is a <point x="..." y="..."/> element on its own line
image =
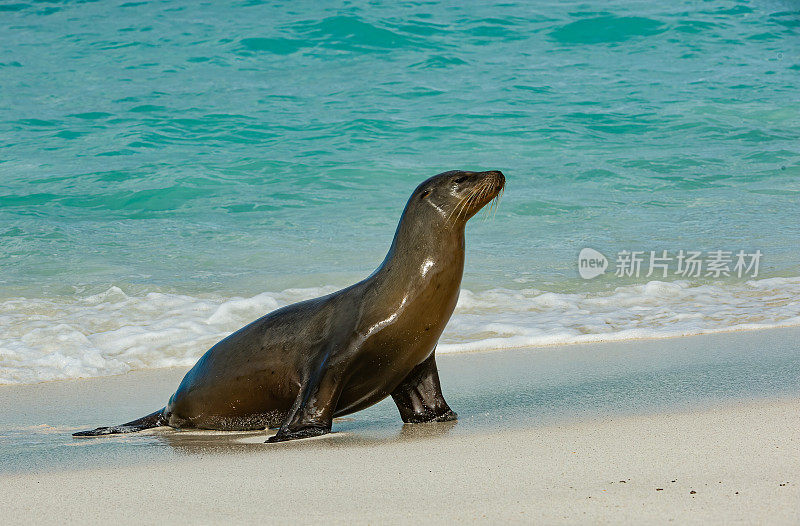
<point x="114" y="332"/>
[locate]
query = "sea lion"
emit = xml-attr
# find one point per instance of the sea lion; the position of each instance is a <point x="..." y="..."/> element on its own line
<point x="304" y="364"/>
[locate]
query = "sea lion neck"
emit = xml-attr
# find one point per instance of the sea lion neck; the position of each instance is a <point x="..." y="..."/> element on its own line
<point x="423" y="246"/>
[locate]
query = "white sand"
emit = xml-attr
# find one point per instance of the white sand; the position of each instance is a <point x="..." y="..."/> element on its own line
<point x="742" y="460"/>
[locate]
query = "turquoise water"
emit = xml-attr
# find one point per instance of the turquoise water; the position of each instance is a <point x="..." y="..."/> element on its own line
<point x="168" y="171"/>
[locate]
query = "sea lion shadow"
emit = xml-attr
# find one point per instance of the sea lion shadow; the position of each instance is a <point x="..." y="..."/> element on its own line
<point x="203" y="442"/>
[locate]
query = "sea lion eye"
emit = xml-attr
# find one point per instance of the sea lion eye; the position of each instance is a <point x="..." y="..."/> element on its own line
<point x="424" y="194"/>
<point x="461" y="179"/>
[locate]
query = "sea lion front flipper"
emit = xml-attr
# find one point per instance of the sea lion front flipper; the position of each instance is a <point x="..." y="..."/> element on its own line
<point x="312" y="412"/>
<point x="419" y="397"/>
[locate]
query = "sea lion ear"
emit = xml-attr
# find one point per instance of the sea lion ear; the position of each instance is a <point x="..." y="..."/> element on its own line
<point x="424" y="194"/>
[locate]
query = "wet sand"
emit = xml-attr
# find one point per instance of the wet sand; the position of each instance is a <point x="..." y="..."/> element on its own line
<point x="621" y="432"/>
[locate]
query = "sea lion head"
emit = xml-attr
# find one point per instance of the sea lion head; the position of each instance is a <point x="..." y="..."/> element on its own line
<point x="457" y="195"/>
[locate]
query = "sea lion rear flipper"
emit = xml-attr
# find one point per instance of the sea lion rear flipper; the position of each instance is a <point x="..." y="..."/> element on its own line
<point x="419" y="397"/>
<point x="154" y="419"/>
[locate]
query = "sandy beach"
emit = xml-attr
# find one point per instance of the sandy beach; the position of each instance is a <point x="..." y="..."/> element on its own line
<point x="640" y="431"/>
<point x="733" y="464"/>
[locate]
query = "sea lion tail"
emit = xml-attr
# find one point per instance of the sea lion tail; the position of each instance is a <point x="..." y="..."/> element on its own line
<point x="155" y="419"/>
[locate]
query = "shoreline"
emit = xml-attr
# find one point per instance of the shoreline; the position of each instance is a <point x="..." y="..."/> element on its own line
<point x="574" y="433"/>
<point x="524" y="348"/>
<point x="114" y="331"/>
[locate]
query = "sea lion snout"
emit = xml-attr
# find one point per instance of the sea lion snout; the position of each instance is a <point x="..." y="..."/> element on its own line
<point x="481" y="189"/>
<point x="499" y="178"/>
<point x="491" y="179"/>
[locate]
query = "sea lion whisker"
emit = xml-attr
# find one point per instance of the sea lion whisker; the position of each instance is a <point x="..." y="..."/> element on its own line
<point x="485" y="211"/>
<point x="494" y="203"/>
<point x="465" y="203"/>
<point x="473" y="198"/>
<point x="486" y="189"/>
<point x="462" y="205"/>
<point x="497" y="200"/>
<point x="456" y="209"/>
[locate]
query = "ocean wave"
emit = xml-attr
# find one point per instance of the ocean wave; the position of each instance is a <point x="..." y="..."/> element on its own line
<point x="503" y="319"/>
<point x="114" y="332"/>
